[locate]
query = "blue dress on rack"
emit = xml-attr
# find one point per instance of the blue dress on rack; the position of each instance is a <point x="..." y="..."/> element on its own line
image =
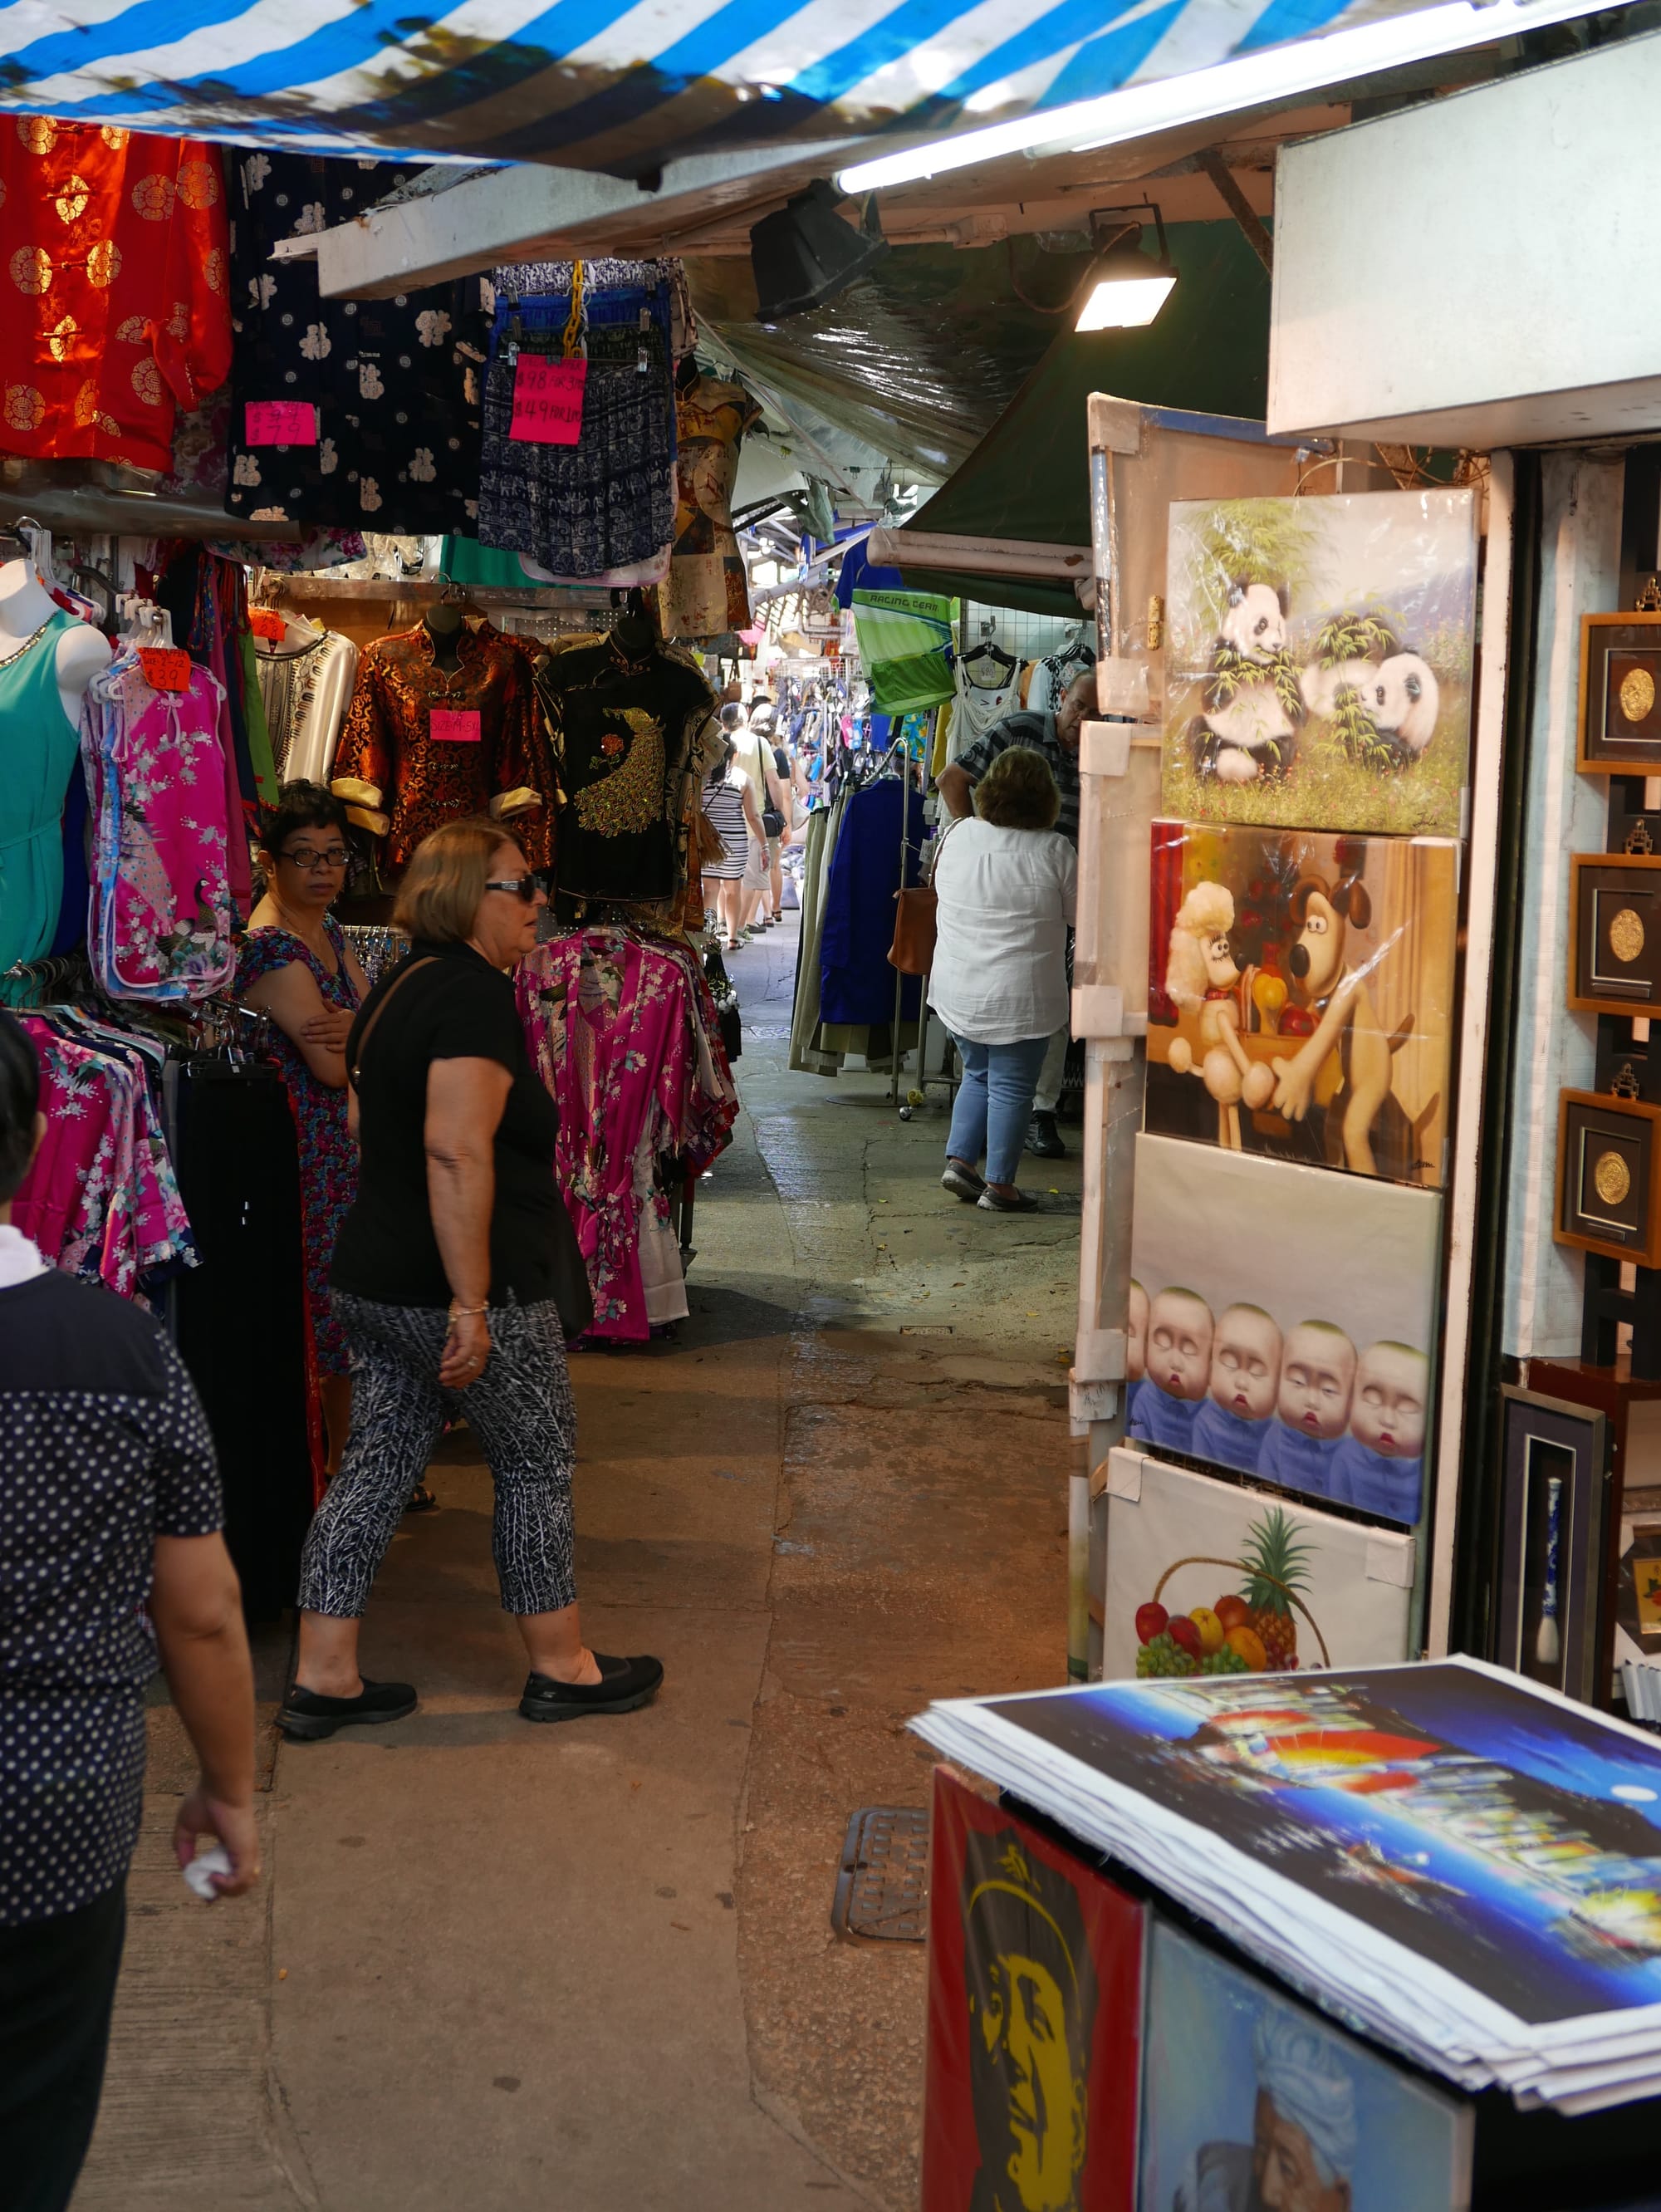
<point x="856" y="983"/>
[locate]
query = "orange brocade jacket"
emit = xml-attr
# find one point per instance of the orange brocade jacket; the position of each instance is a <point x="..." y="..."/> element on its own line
<point x="116" y="271"/>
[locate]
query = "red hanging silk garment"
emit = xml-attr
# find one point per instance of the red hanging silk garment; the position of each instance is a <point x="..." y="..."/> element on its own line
<point x="115" y="281"/>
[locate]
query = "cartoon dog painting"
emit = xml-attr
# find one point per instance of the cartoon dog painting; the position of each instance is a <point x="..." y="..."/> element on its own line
<point x="1253" y="705"/>
<point x="1323" y="913"/>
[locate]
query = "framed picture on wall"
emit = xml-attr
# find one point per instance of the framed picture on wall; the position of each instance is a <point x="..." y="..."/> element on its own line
<point x="1620" y="694"/>
<point x="1553" y="1521"/>
<point x="1609" y="1191"/>
<point x="1615" y="937"/>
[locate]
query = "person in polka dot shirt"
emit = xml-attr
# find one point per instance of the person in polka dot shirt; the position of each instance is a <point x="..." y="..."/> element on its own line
<point x="111" y="1557"/>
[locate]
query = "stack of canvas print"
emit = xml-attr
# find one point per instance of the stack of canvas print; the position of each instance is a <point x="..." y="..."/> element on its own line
<point x="1449" y="1857"/>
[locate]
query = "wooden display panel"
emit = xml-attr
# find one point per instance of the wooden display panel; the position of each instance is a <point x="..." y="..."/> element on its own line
<point x="1620" y="694"/>
<point x="1615" y="934"/>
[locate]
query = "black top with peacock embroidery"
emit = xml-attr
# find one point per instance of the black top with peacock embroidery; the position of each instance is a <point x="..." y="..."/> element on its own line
<point x="622" y="726"/>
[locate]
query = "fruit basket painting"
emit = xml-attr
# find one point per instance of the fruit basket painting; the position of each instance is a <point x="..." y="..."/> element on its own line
<point x="1208" y="1577"/>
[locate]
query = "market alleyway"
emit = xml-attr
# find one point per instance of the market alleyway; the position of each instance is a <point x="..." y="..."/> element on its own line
<point x="591" y="1967"/>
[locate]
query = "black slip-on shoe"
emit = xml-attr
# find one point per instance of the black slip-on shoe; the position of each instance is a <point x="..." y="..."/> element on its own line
<point x="991" y="1201"/>
<point x="624" y="1686"/>
<point x="308" y="1714"/>
<point x="962" y="1182"/>
<point x="1044" y="1139"/>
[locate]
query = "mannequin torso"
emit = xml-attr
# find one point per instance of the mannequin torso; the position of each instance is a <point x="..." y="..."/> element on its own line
<point x="25" y="605"/>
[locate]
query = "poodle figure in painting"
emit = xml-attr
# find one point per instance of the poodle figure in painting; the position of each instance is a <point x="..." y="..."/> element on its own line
<point x="1202" y="976"/>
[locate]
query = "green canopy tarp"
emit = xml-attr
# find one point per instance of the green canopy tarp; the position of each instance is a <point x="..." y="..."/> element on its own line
<point x="1029" y="476"/>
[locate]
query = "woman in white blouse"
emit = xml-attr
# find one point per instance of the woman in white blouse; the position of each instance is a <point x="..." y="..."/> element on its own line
<point x="1006" y="883"/>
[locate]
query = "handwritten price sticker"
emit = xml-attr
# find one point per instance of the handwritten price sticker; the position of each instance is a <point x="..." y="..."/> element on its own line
<point x="455" y="725"/>
<point x="548" y="400"/>
<point x="280" y="422"/>
<point x="266" y="624"/>
<point x="165" y="667"/>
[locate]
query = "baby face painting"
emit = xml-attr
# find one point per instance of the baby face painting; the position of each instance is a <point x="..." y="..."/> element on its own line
<point x="1318" y="1380"/>
<point x="1136" y="1341"/>
<point x="1246" y="1363"/>
<point x="1180" y="1343"/>
<point x="1391" y="1388"/>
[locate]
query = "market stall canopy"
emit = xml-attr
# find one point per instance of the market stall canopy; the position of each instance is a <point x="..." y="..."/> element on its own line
<point x="1027" y="482"/>
<point x="602" y="86"/>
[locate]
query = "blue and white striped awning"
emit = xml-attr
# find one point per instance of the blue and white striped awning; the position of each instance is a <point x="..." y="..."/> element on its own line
<point x="604" y="85"/>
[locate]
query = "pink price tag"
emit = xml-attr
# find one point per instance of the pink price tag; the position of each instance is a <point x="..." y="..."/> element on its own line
<point x="280" y="422"/>
<point x="454" y="726"/>
<point x="548" y="400"/>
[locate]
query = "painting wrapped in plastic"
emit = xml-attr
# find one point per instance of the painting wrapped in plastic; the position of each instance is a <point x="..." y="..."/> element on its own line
<point x="1319" y="668"/>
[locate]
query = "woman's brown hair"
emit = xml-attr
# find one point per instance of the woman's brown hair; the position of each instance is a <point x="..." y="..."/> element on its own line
<point x="443" y="886"/>
<point x="1019" y="791"/>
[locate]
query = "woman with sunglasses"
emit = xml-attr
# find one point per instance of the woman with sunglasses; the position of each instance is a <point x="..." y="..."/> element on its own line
<point x="444" y="1282"/>
<point x="297" y="965"/>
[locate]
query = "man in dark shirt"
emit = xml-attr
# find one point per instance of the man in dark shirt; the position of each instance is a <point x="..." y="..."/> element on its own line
<point x="1055" y="736"/>
<point x="109" y="1511"/>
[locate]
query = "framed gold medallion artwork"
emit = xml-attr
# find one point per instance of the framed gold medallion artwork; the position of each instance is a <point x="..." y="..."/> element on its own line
<point x="1621" y="694"/>
<point x="1615" y="940"/>
<point x="1608" y="1193"/>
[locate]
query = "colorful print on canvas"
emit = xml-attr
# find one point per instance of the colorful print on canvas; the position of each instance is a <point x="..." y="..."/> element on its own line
<point x="1321" y="661"/>
<point x="1252" y="2100"/>
<point x="1207" y="1577"/>
<point x="1301" y="994"/>
<point x="1034" y="2019"/>
<point x="1281" y="1323"/>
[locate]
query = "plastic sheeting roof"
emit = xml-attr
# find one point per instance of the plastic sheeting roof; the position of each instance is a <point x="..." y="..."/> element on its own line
<point x="604" y="85"/>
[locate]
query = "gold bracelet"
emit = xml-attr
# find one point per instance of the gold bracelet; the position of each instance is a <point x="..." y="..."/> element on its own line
<point x="456" y="1311"/>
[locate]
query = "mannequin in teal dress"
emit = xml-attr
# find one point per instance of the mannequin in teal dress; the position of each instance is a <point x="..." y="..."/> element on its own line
<point x="47" y="659"/>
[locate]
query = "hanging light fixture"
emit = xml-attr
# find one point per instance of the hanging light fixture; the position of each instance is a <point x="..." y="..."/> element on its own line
<point x="1124" y="288"/>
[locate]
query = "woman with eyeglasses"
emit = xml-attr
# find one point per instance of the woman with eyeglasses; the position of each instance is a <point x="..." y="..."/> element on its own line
<point x="445" y="1280"/>
<point x="297" y="965"/>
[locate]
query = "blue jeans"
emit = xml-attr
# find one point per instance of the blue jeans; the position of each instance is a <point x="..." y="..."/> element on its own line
<point x="995" y="1103"/>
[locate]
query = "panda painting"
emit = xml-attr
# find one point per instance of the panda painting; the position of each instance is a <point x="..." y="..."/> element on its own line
<point x="1399" y="697"/>
<point x="1253" y="705"/>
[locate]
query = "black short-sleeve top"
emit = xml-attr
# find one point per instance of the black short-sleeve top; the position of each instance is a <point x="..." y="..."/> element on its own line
<point x="458" y="1007"/>
<point x="103" y="1447"/>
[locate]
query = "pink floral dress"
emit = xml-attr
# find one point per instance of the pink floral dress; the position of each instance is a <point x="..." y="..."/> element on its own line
<point x="626" y="1036"/>
<point x="166" y="810"/>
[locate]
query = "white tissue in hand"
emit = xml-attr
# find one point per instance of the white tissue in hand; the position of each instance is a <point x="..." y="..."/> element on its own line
<point x="201" y="1871"/>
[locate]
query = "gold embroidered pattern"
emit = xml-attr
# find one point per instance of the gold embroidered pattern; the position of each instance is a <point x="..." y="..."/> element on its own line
<point x="153" y="197"/>
<point x="214" y="269"/>
<point x="37" y="134"/>
<point x="1637" y="693"/>
<point x="85" y="403"/>
<point x="630" y="798"/>
<point x="103" y="264"/>
<point x="1626" y="935"/>
<point x="113" y="135"/>
<point x="132" y="332"/>
<point x="31" y="270"/>
<point x="71" y="199"/>
<point x="59" y="339"/>
<point x="1612" y="1178"/>
<point x="147" y="382"/>
<point x="198" y="187"/>
<point x="25" y="408"/>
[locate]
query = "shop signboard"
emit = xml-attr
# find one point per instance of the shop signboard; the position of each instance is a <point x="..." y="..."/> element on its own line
<point x="1035" y="1964"/>
<point x="1252" y="2099"/>
<point x="1281" y="1323"/>
<point x="1209" y="1578"/>
<point x="1319" y="662"/>
<point x="1300" y="995"/>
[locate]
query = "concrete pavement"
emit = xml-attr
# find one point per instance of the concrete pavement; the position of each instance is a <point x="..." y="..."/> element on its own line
<point x="591" y="1967"/>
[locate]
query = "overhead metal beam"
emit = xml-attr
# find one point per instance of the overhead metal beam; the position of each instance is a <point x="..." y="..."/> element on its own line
<point x="1237" y="205"/>
<point x="527" y="212"/>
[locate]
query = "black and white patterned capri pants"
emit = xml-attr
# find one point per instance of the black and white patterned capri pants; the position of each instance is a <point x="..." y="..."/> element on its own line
<point x="520" y="1410"/>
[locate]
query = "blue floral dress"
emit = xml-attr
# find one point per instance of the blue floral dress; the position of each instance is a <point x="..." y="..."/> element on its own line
<point x="328" y="1157"/>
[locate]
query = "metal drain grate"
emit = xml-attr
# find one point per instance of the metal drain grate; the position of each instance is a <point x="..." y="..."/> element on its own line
<point x="882" y="1887"/>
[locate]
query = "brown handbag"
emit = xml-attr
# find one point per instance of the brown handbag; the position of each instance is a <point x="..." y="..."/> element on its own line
<point x="916" y="918"/>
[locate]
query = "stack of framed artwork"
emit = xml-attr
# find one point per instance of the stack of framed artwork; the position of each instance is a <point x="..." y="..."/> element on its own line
<point x="1286" y="1245"/>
